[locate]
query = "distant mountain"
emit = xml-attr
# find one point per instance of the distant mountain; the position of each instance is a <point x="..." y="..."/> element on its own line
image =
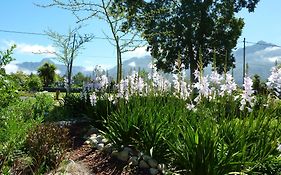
<point x="260" y="58"/>
<point x="131" y="64"/>
<point x="33" y="66"/>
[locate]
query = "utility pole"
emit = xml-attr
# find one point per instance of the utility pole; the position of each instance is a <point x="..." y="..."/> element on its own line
<point x="244" y="59"/>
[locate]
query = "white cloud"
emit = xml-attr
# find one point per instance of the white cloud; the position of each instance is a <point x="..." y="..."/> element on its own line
<point x="11" y="68"/>
<point x="46" y="51"/>
<point x="270" y="49"/>
<point x="57" y="71"/>
<point x="139" y="52"/>
<point x="132" y="64"/>
<point x="102" y="66"/>
<point x="274" y="59"/>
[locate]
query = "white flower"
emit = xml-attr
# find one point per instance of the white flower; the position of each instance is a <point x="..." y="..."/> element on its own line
<point x="228" y="86"/>
<point x="197" y="74"/>
<point x="247" y="94"/>
<point x="274" y="80"/>
<point x="93" y="99"/>
<point x="215" y="78"/>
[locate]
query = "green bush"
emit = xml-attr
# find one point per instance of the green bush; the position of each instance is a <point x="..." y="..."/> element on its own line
<point x="46" y="144"/>
<point x="34" y="83"/>
<point x="43" y="105"/>
<point x="144" y="123"/>
<point x="8" y="91"/>
<point x="15" y="122"/>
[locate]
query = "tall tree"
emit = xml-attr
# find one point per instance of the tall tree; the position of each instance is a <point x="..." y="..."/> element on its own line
<point x="189" y="29"/>
<point x="122" y="36"/>
<point x="79" y="79"/>
<point x="47" y="73"/>
<point x="69" y="46"/>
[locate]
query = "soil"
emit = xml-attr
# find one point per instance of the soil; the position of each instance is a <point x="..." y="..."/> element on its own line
<point x="99" y="163"/>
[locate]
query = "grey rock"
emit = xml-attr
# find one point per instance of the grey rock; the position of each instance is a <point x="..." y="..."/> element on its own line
<point x="146" y="157"/>
<point x="100" y="146"/>
<point x="134" y="160"/>
<point x="143" y="164"/>
<point x="114" y="153"/>
<point x="153" y="171"/>
<point x="152" y="163"/>
<point x="127" y="149"/>
<point x="123" y="156"/>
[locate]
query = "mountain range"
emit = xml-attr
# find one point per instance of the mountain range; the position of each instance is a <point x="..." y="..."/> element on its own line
<point x="260" y="57"/>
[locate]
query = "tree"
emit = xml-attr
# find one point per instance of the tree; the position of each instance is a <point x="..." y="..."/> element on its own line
<point x="21" y="79"/>
<point x="47" y="73"/>
<point x="6" y="58"/>
<point x="113" y="16"/>
<point x="69" y="46"/>
<point x="80" y="78"/>
<point x="189" y="29"/>
<point x="34" y="83"/>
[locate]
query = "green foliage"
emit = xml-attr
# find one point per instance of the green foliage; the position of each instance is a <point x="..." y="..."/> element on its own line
<point x="6" y="56"/>
<point x="43" y="105"/>
<point x="79" y="79"/>
<point x="15" y="121"/>
<point x="47" y="73"/>
<point x="8" y="90"/>
<point x="217" y="138"/>
<point x="144" y="127"/>
<point x="210" y="26"/>
<point x="46" y="144"/>
<point x="259" y="87"/>
<point x="20" y="78"/>
<point x="34" y="83"/>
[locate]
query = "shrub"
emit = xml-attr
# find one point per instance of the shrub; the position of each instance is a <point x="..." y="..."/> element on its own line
<point x="34" y="83"/>
<point x="143" y="122"/>
<point x="43" y="105"/>
<point x="47" y="144"/>
<point x="203" y="145"/>
<point x="14" y="125"/>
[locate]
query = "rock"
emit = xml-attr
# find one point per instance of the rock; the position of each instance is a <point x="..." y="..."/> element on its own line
<point x="153" y="171"/>
<point x="93" y="136"/>
<point x="114" y="153"/>
<point x="94" y="141"/>
<point x="127" y="149"/>
<point x="143" y="164"/>
<point x="134" y="160"/>
<point x="146" y="157"/>
<point x="152" y="163"/>
<point x="100" y="146"/>
<point x="88" y="142"/>
<point x="73" y="168"/>
<point x="108" y="148"/>
<point x="99" y="138"/>
<point x="123" y="156"/>
<point x="104" y="140"/>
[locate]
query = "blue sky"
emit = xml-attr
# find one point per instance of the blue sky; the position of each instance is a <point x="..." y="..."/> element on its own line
<point x="23" y="15"/>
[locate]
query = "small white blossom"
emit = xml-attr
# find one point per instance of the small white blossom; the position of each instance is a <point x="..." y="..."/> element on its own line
<point x="247" y="94"/>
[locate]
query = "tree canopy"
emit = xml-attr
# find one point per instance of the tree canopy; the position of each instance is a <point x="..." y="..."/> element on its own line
<point x="188" y="29"/>
<point x="47" y="73"/>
